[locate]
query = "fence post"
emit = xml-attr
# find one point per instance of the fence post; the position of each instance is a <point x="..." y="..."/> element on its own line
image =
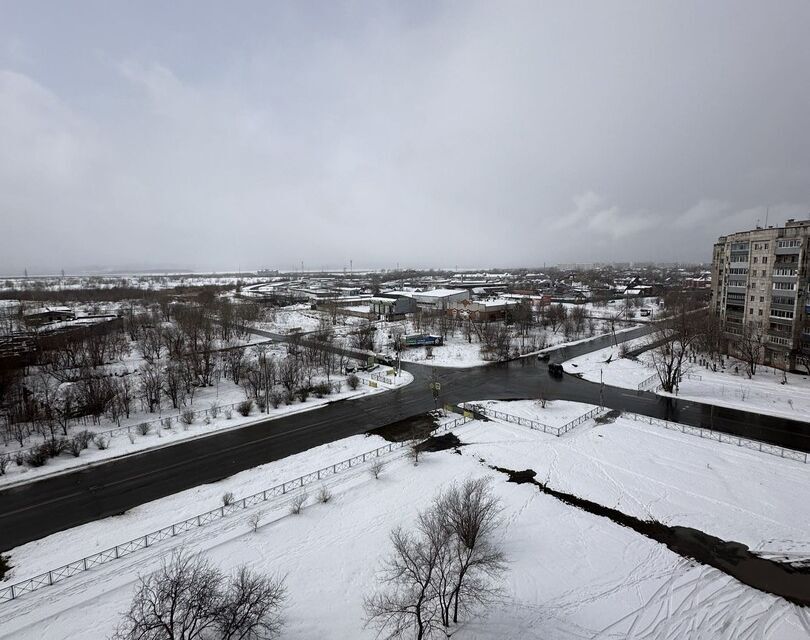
<point x="50" y="578"/>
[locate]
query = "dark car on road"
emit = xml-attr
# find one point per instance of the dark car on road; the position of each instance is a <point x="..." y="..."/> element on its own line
<point x="555" y="369"/>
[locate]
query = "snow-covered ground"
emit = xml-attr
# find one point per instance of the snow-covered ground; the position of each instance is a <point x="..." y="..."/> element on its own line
<point x="607" y="362"/>
<point x="125" y="443"/>
<point x="571" y="574"/>
<point x="458" y="352"/>
<point x="764" y="393"/>
<point x="621" y="308"/>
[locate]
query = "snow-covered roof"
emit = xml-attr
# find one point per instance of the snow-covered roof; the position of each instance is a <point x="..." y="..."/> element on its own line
<point x="39" y="310"/>
<point x="441" y="293"/>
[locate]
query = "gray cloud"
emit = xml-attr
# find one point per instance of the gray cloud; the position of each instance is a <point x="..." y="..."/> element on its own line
<point x="429" y="135"/>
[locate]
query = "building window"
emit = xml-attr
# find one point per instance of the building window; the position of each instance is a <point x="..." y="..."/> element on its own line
<point x="756" y="259"/>
<point x="764" y="259"/>
<point x="762" y="298"/>
<point x="759" y="312"/>
<point x="763" y="273"/>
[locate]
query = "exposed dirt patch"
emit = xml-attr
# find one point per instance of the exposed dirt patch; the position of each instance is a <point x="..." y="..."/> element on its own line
<point x="440" y="443"/>
<point x="789" y="581"/>
<point x="416" y="427"/>
<point x="609" y="417"/>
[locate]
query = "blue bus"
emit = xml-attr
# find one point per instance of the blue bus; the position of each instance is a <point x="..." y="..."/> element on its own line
<point x="422" y="340"/>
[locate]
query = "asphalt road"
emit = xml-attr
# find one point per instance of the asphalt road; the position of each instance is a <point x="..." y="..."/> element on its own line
<point x="34" y="510"/>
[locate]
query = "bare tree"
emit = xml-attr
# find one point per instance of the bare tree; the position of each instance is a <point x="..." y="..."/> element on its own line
<point x="376" y="468"/>
<point x="190" y="599"/>
<point x="298" y="502"/>
<point x="449" y="565"/>
<point x="250" y="606"/>
<point x="673" y="338"/>
<point x="363" y="337"/>
<point x="803" y="359"/>
<point x="150" y="378"/>
<point x="555" y="316"/>
<point x="409" y="604"/>
<point x="749" y="346"/>
<point x="470" y="513"/>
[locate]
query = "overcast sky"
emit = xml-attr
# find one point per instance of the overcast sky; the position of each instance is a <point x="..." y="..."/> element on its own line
<point x="225" y="135"/>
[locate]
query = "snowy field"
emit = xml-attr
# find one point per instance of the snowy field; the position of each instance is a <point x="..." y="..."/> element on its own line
<point x="621" y="308"/>
<point x="571" y="575"/>
<point x="126" y="443"/>
<point x="764" y="393"/>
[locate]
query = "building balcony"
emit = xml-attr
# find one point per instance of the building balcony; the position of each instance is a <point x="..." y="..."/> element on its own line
<point x="784" y="251"/>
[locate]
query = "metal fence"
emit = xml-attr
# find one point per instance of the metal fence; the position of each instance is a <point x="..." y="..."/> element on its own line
<point x="578" y="421"/>
<point x="126" y="548"/>
<point x="719" y="436"/>
<point x="535" y="424"/>
<point x="651" y="383"/>
<point x="508" y="417"/>
<point x="383" y="377"/>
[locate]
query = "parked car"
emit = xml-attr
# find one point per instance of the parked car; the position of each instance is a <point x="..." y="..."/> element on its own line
<point x="555" y="369"/>
<point x="350" y="368"/>
<point x="367" y="367"/>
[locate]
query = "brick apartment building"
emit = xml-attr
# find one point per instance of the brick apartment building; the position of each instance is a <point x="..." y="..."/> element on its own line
<point x="761" y="277"/>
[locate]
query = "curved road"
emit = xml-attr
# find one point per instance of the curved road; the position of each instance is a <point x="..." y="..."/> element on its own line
<point x="34" y="510"/>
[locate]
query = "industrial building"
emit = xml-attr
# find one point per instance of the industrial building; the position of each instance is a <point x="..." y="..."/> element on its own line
<point x="392" y="307"/>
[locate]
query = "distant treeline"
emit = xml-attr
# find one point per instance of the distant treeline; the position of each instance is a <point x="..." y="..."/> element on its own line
<point x="112" y="294"/>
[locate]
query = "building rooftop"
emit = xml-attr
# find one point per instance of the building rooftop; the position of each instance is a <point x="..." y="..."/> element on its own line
<point x="441" y="293"/>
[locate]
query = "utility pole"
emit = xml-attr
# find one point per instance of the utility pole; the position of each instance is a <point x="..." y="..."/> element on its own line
<point x="435" y="387"/>
<point x="601" y="389"/>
